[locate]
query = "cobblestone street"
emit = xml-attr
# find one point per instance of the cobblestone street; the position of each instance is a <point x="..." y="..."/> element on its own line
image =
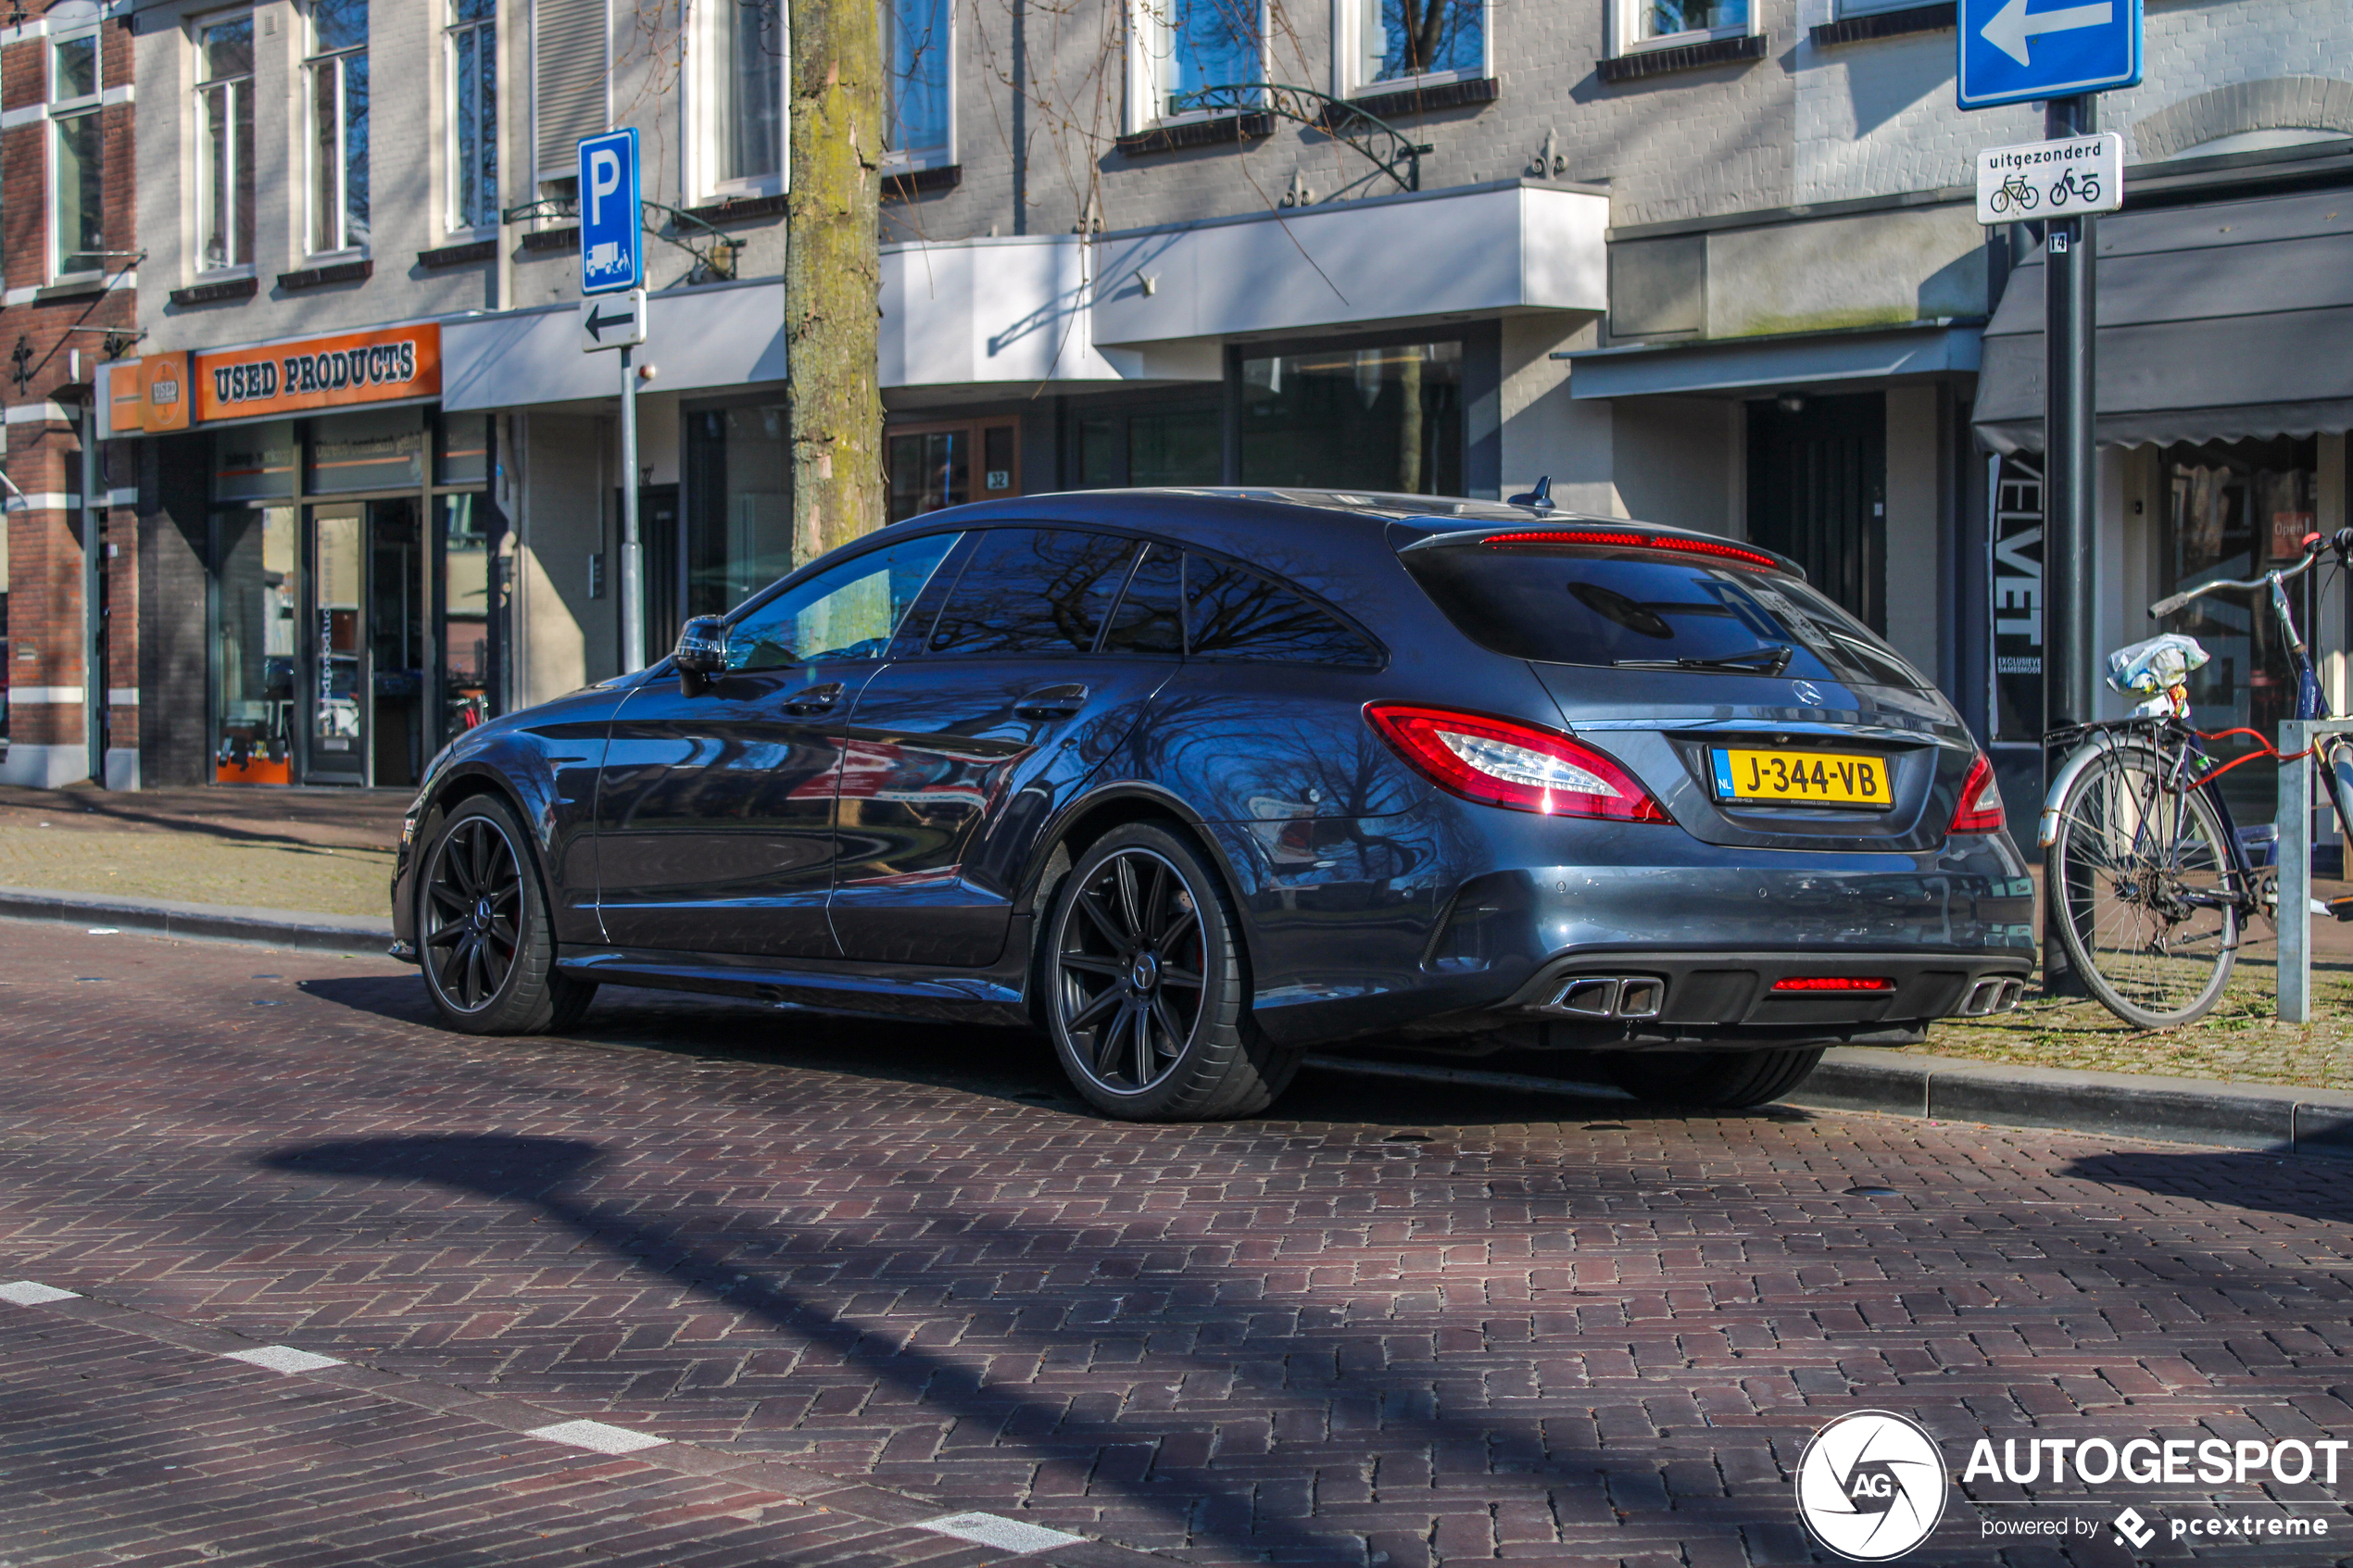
<point x="856" y="1278"/>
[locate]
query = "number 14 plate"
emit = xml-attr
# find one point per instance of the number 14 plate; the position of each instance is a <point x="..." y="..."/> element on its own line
<point x="1802" y="778"/>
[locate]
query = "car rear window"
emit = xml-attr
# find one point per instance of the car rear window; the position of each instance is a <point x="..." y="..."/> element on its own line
<point x="1636" y="609"/>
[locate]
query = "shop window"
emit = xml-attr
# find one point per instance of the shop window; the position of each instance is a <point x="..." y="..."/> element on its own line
<point x="465" y="612"/>
<point x="1666" y="24"/>
<point x="2234" y="510"/>
<point x="77" y="182"/>
<point x="253" y="644"/>
<point x="739" y="533"/>
<point x="915" y="46"/>
<point x="1158" y="446"/>
<point x="1407" y="41"/>
<point x="747" y="82"/>
<point x="461" y="449"/>
<point x="376" y="449"/>
<point x="932" y="466"/>
<point x="1181" y="46"/>
<point x="473" y="49"/>
<point x="255" y="462"/>
<point x="224" y="143"/>
<point x="339" y="125"/>
<point x="1382" y="418"/>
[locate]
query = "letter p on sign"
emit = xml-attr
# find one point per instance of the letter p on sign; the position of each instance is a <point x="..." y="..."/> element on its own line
<point x="604" y="179"/>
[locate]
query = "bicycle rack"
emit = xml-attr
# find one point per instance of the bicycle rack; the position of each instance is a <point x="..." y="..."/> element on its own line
<point x="2293" y="916"/>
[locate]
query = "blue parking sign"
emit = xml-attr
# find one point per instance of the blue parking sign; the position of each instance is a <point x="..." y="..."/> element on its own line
<point x="612" y="252"/>
<point x="2015" y="51"/>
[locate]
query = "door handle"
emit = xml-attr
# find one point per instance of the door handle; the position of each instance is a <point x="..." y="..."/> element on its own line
<point x="1052" y="702"/>
<point x="813" y="699"/>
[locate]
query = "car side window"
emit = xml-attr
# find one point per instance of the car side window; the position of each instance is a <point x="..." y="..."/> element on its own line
<point x="1033" y="591"/>
<point x="845" y="611"/>
<point x="1236" y="613"/>
<point x="1151" y="615"/>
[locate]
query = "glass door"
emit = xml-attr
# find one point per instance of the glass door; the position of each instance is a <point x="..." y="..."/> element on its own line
<point x="464" y="604"/>
<point x="339" y="750"/>
<point x="395" y="633"/>
<point x="253" y="657"/>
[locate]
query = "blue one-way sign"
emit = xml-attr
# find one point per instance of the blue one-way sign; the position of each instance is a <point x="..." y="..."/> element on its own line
<point x="612" y="254"/>
<point x="2013" y="51"/>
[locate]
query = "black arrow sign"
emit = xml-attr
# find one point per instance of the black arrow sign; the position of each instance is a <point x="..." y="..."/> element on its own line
<point x="598" y="321"/>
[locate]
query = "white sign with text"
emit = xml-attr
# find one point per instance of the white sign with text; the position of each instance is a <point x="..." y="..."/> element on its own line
<point x="2041" y="180"/>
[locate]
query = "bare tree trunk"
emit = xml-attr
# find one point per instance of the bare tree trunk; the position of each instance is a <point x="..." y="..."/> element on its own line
<point x="833" y="273"/>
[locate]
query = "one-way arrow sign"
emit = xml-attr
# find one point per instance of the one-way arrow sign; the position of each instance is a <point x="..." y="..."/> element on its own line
<point x="612" y="321"/>
<point x="2013" y="53"/>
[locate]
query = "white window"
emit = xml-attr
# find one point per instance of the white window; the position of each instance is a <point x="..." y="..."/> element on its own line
<point x="1180" y="47"/>
<point x="224" y="143"/>
<point x="746" y="87"/>
<point x="916" y="54"/>
<point x="1664" y="24"/>
<point x="1395" y="43"/>
<point x="473" y="113"/>
<point x="338" y="94"/>
<point x="77" y="173"/>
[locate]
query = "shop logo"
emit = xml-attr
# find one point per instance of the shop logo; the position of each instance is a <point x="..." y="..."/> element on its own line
<point x="2131" y="1527"/>
<point x="1872" y="1485"/>
<point x="1807" y="693"/>
<point x="164" y="392"/>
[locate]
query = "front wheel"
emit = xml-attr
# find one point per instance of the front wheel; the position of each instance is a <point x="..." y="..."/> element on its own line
<point x="1145" y="985"/>
<point x="483" y="934"/>
<point x="2147" y="892"/>
<point x="1714" y="1080"/>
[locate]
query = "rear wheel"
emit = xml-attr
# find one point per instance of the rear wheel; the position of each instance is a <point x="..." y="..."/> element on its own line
<point x="2146" y="889"/>
<point x="1145" y="987"/>
<point x="1716" y="1080"/>
<point x="483" y="934"/>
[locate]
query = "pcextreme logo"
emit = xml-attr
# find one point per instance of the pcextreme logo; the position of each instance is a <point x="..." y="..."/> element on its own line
<point x="1872" y="1485"/>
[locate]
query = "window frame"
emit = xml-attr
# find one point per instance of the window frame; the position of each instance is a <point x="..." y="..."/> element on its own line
<point x="1348" y="59"/>
<point x="314" y="60"/>
<point x="485" y="34"/>
<point x="1626" y="30"/>
<point x="901" y="160"/>
<point x="713" y="42"/>
<point x="1146" y="92"/>
<point x="204" y="87"/>
<point x="56" y="114"/>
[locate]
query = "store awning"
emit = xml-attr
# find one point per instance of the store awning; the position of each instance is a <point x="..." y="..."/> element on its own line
<point x="2215" y="323"/>
<point x="1750" y="367"/>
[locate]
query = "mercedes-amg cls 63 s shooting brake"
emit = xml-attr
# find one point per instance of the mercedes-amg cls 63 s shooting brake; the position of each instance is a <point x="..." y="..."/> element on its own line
<point x="1194" y="781"/>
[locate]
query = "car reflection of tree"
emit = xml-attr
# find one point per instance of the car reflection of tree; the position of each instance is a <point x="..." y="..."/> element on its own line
<point x="932" y="776"/>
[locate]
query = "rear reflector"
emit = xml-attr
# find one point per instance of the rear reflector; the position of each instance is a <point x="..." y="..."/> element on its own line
<point x="1832" y="983"/>
<point x="1981" y="807"/>
<point x="1503" y="762"/>
<point x="1612" y="539"/>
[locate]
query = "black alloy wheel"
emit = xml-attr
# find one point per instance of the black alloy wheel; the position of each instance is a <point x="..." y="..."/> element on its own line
<point x="473" y="913"/>
<point x="483" y="935"/>
<point x="1144" y="986"/>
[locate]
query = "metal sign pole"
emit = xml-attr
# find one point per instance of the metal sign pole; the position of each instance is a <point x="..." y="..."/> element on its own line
<point x="633" y="602"/>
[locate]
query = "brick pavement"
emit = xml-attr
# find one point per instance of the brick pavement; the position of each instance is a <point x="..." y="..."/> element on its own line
<point x="1388" y="1325"/>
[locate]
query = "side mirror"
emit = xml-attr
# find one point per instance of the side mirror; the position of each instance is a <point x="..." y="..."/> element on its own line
<point x="701" y="654"/>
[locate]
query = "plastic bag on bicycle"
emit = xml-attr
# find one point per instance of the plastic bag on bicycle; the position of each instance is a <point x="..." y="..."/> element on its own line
<point x="2161" y="665"/>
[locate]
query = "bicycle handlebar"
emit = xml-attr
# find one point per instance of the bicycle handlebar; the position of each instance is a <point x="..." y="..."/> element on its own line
<point x="2313" y="545"/>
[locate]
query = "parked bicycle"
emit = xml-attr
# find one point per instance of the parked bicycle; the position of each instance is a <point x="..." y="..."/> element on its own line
<point x="2155" y="887"/>
<point x="2014" y="191"/>
<point x="2081" y="185"/>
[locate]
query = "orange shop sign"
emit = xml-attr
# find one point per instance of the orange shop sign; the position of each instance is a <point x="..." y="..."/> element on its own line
<point x="382" y="366"/>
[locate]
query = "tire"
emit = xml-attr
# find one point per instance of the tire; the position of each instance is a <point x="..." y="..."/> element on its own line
<point x="2126" y="849"/>
<point x="487" y="951"/>
<point x="1714" y="1080"/>
<point x="1144" y="986"/>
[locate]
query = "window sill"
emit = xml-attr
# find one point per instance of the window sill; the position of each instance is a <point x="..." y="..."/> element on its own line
<point x="567" y="238"/>
<point x="1217" y="131"/>
<point x="1421" y="98"/>
<point x="460" y="254"/>
<point x="1937" y="17"/>
<point x="217" y="291"/>
<point x="325" y="276"/>
<point x="726" y="208"/>
<point x="79" y="285"/>
<point x="1659" y="59"/>
<point x="903" y="184"/>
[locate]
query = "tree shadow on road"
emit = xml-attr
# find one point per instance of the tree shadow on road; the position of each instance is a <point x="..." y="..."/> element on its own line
<point x="2310" y="1187"/>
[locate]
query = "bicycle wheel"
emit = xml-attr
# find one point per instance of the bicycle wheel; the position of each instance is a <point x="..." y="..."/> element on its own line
<point x="2131" y="860"/>
<point x="2000" y="200"/>
<point x="2027" y="197"/>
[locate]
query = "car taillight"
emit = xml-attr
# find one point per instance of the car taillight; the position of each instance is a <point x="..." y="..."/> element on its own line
<point x="1833" y="983"/>
<point x="1502" y="762"/>
<point x="1616" y="539"/>
<point x="1981" y="809"/>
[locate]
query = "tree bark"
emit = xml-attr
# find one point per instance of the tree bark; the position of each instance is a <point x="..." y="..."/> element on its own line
<point x="833" y="273"/>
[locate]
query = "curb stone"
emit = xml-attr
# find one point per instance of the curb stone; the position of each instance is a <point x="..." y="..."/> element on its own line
<point x="301" y="929"/>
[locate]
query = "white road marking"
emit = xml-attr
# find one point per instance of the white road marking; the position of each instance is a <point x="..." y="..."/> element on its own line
<point x="1005" y="1535"/>
<point x="597" y="1436"/>
<point x="31" y="1293"/>
<point x="282" y="1357"/>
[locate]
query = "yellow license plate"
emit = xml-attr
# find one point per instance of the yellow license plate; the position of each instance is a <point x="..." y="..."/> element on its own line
<point x="1802" y="778"/>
